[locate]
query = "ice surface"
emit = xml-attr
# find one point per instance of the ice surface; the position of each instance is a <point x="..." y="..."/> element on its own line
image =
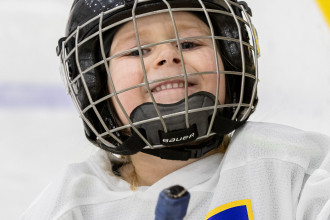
<point x="41" y="132"/>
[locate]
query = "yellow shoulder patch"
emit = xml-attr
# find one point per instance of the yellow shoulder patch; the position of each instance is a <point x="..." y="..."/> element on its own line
<point x="325" y="8"/>
<point x="238" y="210"/>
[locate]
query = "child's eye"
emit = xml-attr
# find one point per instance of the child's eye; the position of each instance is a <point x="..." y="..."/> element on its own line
<point x="188" y="45"/>
<point x="136" y="52"/>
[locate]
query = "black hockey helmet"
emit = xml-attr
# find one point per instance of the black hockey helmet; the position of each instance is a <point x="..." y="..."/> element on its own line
<point x="152" y="127"/>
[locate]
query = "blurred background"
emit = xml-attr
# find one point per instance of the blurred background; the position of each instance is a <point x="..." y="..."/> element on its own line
<point x="40" y="131"/>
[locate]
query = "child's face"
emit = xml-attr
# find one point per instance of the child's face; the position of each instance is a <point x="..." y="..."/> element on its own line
<point x="163" y="61"/>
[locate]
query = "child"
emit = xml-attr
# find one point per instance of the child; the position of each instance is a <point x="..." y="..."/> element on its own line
<point x="161" y="86"/>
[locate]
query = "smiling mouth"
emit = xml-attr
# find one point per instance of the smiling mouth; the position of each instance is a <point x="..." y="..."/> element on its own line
<point x="170" y="85"/>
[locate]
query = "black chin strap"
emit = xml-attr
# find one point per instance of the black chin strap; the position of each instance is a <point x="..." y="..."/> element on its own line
<point x="132" y="145"/>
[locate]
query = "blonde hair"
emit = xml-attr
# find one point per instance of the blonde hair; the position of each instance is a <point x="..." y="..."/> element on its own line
<point x="127" y="172"/>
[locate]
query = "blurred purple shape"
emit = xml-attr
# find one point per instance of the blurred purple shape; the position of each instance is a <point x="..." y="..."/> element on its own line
<point x="18" y="95"/>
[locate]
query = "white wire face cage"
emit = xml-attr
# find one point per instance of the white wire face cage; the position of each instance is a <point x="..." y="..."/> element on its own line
<point x="85" y="64"/>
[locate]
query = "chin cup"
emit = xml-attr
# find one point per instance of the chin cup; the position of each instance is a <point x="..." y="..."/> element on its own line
<point x="179" y="142"/>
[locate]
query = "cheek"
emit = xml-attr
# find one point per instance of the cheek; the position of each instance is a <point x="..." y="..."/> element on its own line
<point x="210" y="85"/>
<point x="124" y="77"/>
<point x="204" y="61"/>
<point x="212" y="81"/>
<point x="129" y="100"/>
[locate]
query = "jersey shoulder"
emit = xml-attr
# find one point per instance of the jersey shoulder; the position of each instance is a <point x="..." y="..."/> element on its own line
<point x="261" y="141"/>
<point x="80" y="184"/>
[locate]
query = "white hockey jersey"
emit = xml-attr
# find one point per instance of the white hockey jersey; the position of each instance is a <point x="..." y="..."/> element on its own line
<point x="269" y="172"/>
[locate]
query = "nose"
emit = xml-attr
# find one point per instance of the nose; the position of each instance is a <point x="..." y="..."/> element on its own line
<point x="168" y="55"/>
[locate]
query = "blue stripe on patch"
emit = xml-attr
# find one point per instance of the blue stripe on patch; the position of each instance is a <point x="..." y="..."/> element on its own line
<point x="236" y="210"/>
<point x="32" y="95"/>
<point x="235" y="213"/>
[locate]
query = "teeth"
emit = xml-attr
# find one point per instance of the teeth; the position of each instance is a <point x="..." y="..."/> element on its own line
<point x="169" y="86"/>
